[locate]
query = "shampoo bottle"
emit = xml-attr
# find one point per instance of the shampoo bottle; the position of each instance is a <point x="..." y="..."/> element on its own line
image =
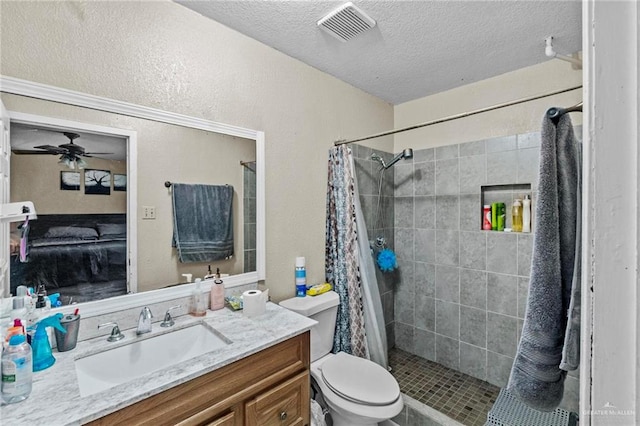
<point x="516" y="216"/>
<point x="526" y="214"/>
<point x="198" y="304"/>
<point x="217" y="292"/>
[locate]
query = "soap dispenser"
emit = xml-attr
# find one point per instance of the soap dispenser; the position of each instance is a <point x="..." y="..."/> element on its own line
<point x="198" y="305"/>
<point x="217" y="292"/>
<point x="42" y="356"/>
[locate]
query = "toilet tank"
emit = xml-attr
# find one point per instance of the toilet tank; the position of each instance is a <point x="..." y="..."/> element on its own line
<point x="322" y="308"/>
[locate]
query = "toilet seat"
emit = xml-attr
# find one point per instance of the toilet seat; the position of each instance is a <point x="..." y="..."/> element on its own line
<point x="359" y="380"/>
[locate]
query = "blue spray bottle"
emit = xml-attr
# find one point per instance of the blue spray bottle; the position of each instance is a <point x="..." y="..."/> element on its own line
<point x="42" y="356"/>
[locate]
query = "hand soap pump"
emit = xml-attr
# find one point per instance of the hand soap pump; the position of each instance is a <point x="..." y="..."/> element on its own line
<point x="217" y="292"/>
<point x="198" y="305"/>
<point x="42" y="356"/>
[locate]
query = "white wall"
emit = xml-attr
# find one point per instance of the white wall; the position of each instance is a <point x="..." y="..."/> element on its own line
<point x="163" y="55"/>
<point x="611" y="345"/>
<point x="522" y="118"/>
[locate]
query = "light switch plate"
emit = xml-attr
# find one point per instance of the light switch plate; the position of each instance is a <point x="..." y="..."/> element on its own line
<point x="148" y="212"/>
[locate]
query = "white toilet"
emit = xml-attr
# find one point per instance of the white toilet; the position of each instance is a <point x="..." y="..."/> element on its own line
<point x="357" y="391"/>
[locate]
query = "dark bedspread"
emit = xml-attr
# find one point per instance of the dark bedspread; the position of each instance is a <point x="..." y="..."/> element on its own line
<point x="72" y="250"/>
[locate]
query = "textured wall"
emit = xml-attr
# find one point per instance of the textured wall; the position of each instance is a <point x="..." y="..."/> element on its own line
<point x="522" y="118"/>
<point x="162" y="55"/>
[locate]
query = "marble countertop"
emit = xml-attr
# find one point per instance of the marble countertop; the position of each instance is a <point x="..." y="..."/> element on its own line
<point x="55" y="398"/>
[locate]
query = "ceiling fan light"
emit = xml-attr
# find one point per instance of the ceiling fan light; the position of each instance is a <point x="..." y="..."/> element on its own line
<point x="67" y="161"/>
<point x="81" y="163"/>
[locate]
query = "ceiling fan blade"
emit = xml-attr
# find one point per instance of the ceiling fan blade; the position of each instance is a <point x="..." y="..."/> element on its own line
<point x="52" y="149"/>
<point x="97" y="153"/>
<point x="26" y="152"/>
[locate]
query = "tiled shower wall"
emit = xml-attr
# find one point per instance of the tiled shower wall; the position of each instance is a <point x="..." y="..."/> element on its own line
<point x="460" y="293"/>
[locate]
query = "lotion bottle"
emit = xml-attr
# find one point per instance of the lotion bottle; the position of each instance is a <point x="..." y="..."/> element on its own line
<point x="217" y="292"/>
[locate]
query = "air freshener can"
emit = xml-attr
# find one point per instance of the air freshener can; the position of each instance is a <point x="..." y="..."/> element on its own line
<point x="301" y="277"/>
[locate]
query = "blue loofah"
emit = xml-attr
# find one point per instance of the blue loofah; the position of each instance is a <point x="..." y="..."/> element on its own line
<point x="387" y="260"/>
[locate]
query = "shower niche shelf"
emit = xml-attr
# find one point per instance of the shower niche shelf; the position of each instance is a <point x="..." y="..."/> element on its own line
<point x="504" y="193"/>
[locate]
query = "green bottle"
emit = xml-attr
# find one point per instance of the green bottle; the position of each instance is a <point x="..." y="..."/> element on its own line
<point x="494" y="216"/>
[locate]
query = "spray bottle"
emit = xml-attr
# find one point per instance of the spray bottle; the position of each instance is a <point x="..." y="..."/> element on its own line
<point x="42" y="356"/>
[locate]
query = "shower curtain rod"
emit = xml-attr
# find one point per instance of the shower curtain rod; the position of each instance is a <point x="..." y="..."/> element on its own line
<point x="457" y="116"/>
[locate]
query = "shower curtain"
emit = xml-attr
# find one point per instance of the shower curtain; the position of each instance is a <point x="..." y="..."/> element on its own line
<point x="349" y="266"/>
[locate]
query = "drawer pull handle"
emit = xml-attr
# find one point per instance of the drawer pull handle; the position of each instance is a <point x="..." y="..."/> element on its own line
<point x="283" y="416"/>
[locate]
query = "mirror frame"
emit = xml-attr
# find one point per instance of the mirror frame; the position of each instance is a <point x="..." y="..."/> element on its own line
<point x="45" y="92"/>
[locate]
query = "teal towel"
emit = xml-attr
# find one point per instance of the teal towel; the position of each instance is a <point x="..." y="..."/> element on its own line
<point x="202" y="222"/>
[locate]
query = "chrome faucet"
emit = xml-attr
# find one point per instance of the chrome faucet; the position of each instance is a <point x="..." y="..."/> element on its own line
<point x="144" y="322"/>
<point x="115" y="332"/>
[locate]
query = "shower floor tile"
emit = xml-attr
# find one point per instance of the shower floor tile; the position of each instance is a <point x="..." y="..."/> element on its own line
<point x="455" y="394"/>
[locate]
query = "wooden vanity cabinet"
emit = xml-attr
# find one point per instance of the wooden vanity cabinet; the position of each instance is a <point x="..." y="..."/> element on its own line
<point x="269" y="388"/>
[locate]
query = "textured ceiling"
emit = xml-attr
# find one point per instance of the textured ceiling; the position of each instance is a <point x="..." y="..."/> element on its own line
<point x="417" y="48"/>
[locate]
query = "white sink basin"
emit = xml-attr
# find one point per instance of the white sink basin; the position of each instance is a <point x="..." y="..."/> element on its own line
<point x="112" y="367"/>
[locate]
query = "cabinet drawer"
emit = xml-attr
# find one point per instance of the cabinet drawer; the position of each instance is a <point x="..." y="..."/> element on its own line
<point x="233" y="418"/>
<point x="228" y="420"/>
<point x="284" y="405"/>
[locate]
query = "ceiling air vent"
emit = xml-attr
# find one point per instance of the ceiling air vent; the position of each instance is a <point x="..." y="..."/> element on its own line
<point x="346" y="22"/>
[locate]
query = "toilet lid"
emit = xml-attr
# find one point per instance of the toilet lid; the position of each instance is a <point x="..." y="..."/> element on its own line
<point x="359" y="380"/>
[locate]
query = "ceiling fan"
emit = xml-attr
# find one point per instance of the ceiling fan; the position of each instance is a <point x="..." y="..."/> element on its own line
<point x="70" y="148"/>
<point x="70" y="153"/>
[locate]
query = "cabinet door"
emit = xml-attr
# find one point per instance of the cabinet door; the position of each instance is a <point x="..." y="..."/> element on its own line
<point x="284" y="405"/>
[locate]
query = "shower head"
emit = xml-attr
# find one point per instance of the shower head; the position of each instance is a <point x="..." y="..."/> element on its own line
<point x="405" y="154"/>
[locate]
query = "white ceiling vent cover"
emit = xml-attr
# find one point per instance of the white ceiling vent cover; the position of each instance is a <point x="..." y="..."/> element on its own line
<point x="346" y="22"/>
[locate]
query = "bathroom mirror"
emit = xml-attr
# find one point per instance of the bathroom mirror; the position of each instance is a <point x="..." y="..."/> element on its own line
<point x="160" y="147"/>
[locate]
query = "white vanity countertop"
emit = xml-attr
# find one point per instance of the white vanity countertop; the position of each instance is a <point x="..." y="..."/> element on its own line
<point x="55" y="398"/>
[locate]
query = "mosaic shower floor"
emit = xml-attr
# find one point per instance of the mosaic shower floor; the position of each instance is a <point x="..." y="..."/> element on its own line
<point x="455" y="394"/>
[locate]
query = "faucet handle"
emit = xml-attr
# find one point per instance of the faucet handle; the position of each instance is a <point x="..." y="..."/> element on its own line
<point x="146" y="312"/>
<point x="168" y="320"/>
<point x="115" y="331"/>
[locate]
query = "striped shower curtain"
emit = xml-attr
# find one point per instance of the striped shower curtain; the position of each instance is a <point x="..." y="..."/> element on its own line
<point x="341" y="256"/>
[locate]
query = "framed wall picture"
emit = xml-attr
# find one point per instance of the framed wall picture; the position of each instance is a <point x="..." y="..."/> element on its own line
<point x="70" y="181"/>
<point x="119" y="182"/>
<point x="97" y="182"/>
